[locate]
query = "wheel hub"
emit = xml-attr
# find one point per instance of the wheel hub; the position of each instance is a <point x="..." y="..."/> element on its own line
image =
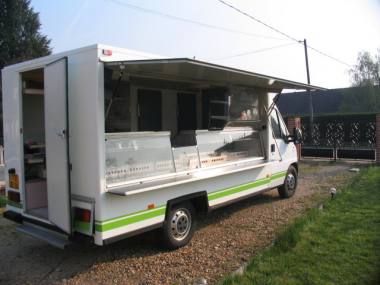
<point x="291" y="181"/>
<point x="180" y="224"/>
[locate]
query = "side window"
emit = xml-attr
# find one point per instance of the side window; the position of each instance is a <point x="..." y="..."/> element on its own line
<point x="284" y="129"/>
<point x="275" y="125"/>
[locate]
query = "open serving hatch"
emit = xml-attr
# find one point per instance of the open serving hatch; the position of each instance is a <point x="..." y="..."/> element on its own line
<point x="146" y="155"/>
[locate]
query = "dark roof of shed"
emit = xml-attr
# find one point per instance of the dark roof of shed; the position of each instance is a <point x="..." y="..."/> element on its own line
<point x="332" y="101"/>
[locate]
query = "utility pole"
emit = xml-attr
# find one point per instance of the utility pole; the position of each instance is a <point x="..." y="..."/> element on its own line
<point x="308" y="82"/>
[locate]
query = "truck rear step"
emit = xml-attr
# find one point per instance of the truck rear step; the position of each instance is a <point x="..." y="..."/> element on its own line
<point x="58" y="240"/>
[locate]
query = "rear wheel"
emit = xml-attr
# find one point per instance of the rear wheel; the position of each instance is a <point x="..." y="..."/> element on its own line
<point x="179" y="225"/>
<point x="289" y="187"/>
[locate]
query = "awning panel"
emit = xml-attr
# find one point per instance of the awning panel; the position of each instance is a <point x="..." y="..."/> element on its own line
<point x="194" y="71"/>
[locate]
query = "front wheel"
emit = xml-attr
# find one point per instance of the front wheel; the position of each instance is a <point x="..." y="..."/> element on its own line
<point x="289" y="187"/>
<point x="179" y="226"/>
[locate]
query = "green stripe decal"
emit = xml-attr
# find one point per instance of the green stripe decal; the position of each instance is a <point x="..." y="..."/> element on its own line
<point x="133" y="218"/>
<point x="278" y="175"/>
<point x="114" y="223"/>
<point x="240" y="188"/>
<point x="237" y="189"/>
<point x="125" y="216"/>
<point x="82" y="226"/>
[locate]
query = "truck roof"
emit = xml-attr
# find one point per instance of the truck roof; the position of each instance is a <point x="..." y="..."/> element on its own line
<point x="185" y="68"/>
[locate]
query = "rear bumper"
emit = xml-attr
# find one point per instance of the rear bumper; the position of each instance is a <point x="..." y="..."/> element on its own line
<point x="13" y="216"/>
<point x="19" y="218"/>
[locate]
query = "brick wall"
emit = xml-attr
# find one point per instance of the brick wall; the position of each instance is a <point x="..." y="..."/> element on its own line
<point x="295" y="122"/>
<point x="378" y="139"/>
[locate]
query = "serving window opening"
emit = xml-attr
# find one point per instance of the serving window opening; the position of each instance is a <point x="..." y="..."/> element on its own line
<point x="165" y="128"/>
<point x="33" y="132"/>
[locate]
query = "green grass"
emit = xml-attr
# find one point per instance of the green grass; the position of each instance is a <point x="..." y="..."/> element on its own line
<point x="3" y="201"/>
<point x="307" y="168"/>
<point x="338" y="245"/>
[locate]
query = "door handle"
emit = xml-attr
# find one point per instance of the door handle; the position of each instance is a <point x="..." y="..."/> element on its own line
<point x="62" y="135"/>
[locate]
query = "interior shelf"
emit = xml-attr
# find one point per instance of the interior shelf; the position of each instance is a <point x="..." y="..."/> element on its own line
<point x="36" y="146"/>
<point x="33" y="91"/>
<point x="34" y="160"/>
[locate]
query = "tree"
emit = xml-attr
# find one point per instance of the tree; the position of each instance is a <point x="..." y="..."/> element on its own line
<point x="365" y="74"/>
<point x="367" y="70"/>
<point x="20" y="38"/>
<point x="364" y="99"/>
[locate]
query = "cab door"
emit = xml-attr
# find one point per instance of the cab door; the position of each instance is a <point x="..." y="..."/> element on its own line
<point x="57" y="146"/>
<point x="283" y="153"/>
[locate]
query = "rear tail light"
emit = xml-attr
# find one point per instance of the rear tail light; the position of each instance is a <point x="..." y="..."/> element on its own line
<point x="83" y="215"/>
<point x="13" y="196"/>
<point x="13" y="179"/>
<point x="107" y="52"/>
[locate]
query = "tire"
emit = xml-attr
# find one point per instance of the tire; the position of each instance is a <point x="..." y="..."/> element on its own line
<point x="179" y="226"/>
<point x="289" y="187"/>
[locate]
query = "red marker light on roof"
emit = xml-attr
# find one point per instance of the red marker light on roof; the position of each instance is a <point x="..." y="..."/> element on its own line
<point x="107" y="52"/>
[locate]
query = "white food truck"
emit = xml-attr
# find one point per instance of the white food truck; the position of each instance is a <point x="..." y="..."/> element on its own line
<point x="105" y="143"/>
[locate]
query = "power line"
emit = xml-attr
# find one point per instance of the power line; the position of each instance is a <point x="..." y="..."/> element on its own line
<point x="280" y="32"/>
<point x="254" y="51"/>
<point x="329" y="56"/>
<point x="257" y="20"/>
<point x="176" y="18"/>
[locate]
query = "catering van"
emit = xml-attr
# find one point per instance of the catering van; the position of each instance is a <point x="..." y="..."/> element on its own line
<point x="105" y="143"/>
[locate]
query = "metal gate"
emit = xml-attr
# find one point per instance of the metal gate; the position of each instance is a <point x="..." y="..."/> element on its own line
<point x="340" y="136"/>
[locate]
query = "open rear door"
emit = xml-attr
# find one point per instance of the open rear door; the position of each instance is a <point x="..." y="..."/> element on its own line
<point x="57" y="148"/>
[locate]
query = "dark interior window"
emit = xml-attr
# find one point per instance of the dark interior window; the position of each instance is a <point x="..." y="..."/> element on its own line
<point x="116" y="104"/>
<point x="187" y="111"/>
<point x="149" y="110"/>
<point x="244" y="104"/>
<point x="214" y="108"/>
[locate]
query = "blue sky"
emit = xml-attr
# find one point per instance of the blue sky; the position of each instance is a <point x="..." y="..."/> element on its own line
<point x="340" y="28"/>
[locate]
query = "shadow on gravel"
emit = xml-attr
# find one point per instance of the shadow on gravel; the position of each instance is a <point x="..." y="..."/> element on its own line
<point x="39" y="263"/>
<point x="225" y="212"/>
<point x="149" y="243"/>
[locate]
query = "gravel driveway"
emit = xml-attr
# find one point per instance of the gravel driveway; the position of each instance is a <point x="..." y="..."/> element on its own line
<point x="225" y="239"/>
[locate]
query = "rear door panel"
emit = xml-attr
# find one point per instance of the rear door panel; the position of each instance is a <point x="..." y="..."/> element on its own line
<point x="56" y="135"/>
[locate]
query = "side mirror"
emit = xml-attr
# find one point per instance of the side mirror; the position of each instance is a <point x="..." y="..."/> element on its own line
<point x="296" y="137"/>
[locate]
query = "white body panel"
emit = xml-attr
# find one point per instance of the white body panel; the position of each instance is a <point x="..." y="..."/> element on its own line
<point x="12" y="111"/>
<point x="117" y="215"/>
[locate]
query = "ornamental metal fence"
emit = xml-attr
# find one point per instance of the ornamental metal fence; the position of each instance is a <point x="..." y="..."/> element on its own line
<point x="340" y="136"/>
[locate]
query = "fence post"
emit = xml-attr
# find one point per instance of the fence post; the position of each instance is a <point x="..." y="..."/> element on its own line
<point x="2" y="183"/>
<point x="295" y="122"/>
<point x="378" y="139"/>
<point x="1" y="155"/>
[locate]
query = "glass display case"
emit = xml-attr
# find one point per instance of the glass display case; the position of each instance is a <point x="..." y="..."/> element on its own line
<point x="149" y="156"/>
<point x="230" y="144"/>
<point x="186" y="158"/>
<point x="131" y="156"/>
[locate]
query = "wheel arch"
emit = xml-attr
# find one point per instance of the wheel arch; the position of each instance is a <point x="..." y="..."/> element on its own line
<point x="198" y="200"/>
<point x="295" y="165"/>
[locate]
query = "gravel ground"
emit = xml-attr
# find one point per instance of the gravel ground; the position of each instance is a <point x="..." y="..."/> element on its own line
<point x="225" y="240"/>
